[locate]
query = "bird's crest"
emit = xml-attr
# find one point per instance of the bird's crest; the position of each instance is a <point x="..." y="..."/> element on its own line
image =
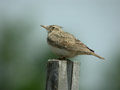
<point x="56" y="26"/>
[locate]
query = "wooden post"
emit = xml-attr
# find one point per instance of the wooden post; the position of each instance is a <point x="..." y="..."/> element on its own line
<point x="62" y="75"/>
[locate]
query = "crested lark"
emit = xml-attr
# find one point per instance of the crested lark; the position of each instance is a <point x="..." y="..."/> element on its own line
<point x="65" y="44"/>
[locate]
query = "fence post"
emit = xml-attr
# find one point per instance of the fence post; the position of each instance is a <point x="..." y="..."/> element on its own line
<point x="62" y="75"/>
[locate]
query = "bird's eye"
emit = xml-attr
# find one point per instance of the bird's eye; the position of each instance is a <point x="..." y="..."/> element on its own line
<point x="53" y="28"/>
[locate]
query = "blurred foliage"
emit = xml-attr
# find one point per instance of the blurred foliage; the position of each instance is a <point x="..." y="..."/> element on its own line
<point x="22" y="65"/>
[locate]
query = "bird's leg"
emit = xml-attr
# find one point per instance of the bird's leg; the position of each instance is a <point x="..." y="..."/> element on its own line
<point x="62" y="58"/>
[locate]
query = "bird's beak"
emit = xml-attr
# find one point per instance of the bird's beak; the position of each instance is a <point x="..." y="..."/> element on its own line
<point x="46" y="27"/>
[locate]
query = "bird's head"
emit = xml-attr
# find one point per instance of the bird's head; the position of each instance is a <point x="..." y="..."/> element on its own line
<point x="51" y="27"/>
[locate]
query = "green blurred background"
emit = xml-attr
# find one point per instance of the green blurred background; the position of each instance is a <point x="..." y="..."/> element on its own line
<point x="24" y="51"/>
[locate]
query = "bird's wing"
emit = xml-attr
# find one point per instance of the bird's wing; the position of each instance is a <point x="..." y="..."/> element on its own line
<point x="79" y="46"/>
<point x="67" y="41"/>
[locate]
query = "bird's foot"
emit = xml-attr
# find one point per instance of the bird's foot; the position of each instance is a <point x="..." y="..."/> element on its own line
<point x="62" y="58"/>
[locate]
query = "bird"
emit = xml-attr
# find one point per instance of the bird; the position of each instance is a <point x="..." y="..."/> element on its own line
<point x="64" y="44"/>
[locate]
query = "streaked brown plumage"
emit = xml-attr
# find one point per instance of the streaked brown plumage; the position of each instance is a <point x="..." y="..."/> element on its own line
<point x="65" y="44"/>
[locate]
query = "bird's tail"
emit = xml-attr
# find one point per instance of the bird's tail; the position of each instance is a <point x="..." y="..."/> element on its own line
<point x="94" y="54"/>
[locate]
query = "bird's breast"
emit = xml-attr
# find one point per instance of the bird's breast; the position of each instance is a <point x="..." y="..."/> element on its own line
<point x="62" y="52"/>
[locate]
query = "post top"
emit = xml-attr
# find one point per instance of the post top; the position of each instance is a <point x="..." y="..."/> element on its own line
<point x="57" y="60"/>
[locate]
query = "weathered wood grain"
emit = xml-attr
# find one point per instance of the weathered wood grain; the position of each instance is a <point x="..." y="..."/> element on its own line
<point x="62" y="75"/>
